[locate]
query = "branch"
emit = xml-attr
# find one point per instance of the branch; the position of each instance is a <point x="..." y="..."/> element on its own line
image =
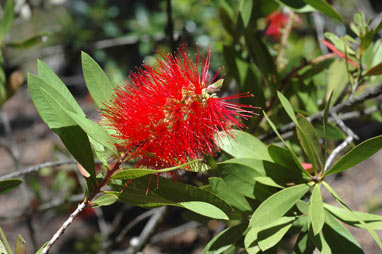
<point x="36" y="168"/>
<point x="86" y="200"/>
<point x="64" y="226"/>
<point x="148" y="231"/>
<point x="338" y="149"/>
<point x="343" y="127"/>
<point x="170" y="26"/>
<point x="369" y="94"/>
<point x="284" y="39"/>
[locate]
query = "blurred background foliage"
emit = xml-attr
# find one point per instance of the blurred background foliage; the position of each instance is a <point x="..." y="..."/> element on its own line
<point x="248" y="47"/>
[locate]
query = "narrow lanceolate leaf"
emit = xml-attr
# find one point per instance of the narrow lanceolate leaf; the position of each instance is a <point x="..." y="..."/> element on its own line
<point x="99" y="85"/>
<point x="325" y="8"/>
<point x="373" y="220"/>
<point x="205" y="209"/>
<point x="358" y="154"/>
<point x="50" y="78"/>
<point x="164" y="192"/>
<point x="325" y="125"/>
<point x="21" y="247"/>
<point x="4" y="245"/>
<point x="94" y="130"/>
<point x="361" y="221"/>
<point x="277" y="205"/>
<point x="338" y="237"/>
<point x="293" y="155"/>
<point x="9" y="184"/>
<point x="316" y="211"/>
<point x="287" y="107"/>
<point x="224" y="191"/>
<point x="7" y="18"/>
<point x="245" y="11"/>
<point x="133" y="173"/>
<point x="105" y="200"/>
<point x="51" y="99"/>
<point x="312" y="138"/>
<point x="244" y="145"/>
<point x="274" y="232"/>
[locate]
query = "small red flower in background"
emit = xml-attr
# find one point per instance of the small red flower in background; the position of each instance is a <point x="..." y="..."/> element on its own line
<point x="276" y="22"/>
<point x="169" y="114"/>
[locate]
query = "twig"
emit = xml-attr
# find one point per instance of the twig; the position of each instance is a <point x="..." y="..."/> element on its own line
<point x="86" y="201"/>
<point x="148" y="231"/>
<point x="338" y="149"/>
<point x="174" y="231"/>
<point x="284" y="40"/>
<point x="371" y="93"/>
<point x="170" y="26"/>
<point x="36" y="168"/>
<point x="319" y="24"/>
<point x="343" y="127"/>
<point x="64" y="226"/>
<point x="134" y="222"/>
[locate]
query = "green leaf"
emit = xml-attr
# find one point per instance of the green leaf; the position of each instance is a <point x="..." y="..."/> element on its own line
<point x="287" y="107"/>
<point x="224" y="191"/>
<point x="7" y="185"/>
<point x="133" y="173"/>
<point x="268" y="181"/>
<point x="358" y="154"/>
<point x="375" y="70"/>
<point x="77" y="142"/>
<point x="7" y="19"/>
<point x="4" y="245"/>
<point x="303" y="244"/>
<point x="240" y="175"/>
<point x="325" y="8"/>
<point x="20" y="246"/>
<point x="165" y="192"/>
<point x="277" y="205"/>
<point x="225" y="239"/>
<point x="325" y="125"/>
<point x="342" y="203"/>
<point x="274" y="232"/>
<point x="293" y="155"/>
<point x="54" y="116"/>
<point x="282" y="156"/>
<point x="52" y="99"/>
<point x="99" y="85"/>
<point x="105" y="200"/>
<point x="50" y="78"/>
<point x="250" y="241"/>
<point x="312" y="139"/>
<point x="372" y="220"/>
<point x="28" y="42"/>
<point x="296" y="5"/>
<point x="245" y="11"/>
<point x="260" y="54"/>
<point x="316" y="211"/>
<point x="94" y="130"/>
<point x="338" y="237"/>
<point x="205" y="209"/>
<point x="244" y="145"/>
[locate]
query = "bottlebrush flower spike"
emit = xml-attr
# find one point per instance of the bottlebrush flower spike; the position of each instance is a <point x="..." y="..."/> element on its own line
<point x="169" y="114"/>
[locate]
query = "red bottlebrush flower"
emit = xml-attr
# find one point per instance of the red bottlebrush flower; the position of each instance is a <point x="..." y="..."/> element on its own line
<point x="276" y="22"/>
<point x="169" y="114"/>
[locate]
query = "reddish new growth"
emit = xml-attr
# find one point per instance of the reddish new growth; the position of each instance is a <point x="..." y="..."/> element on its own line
<point x="169" y="114"/>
